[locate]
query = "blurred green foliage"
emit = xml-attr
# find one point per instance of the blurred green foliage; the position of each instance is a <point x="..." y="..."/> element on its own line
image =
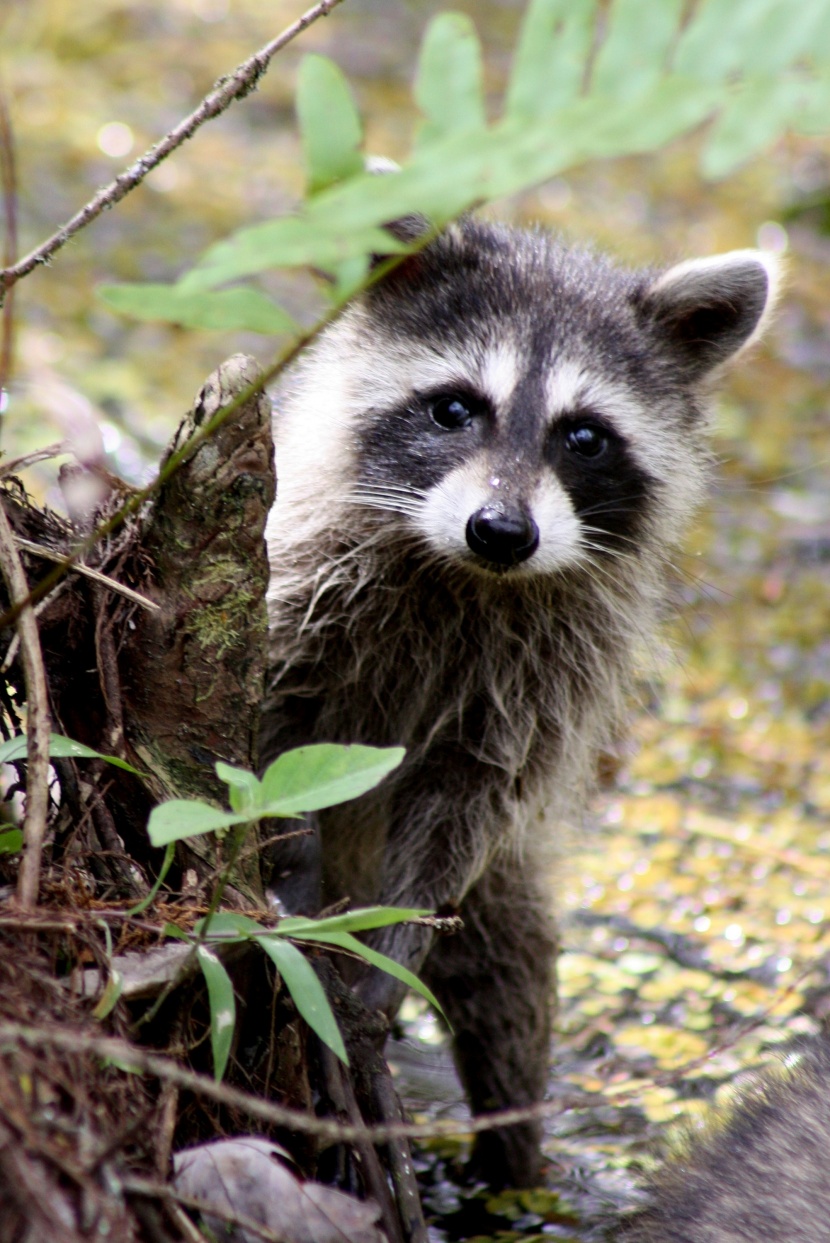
<point x="645" y="74"/>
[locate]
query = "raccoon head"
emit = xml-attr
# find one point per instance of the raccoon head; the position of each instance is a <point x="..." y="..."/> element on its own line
<point x="525" y="408"/>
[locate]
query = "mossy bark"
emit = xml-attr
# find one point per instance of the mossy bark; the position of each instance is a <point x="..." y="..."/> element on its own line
<point x="194" y="672"/>
<point x="176" y="689"/>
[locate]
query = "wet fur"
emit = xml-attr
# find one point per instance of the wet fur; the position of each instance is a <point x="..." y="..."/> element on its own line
<point x="504" y="686"/>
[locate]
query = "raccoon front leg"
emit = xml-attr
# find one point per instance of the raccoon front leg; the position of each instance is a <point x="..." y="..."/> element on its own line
<point x="494" y="979"/>
<point x="496" y="983"/>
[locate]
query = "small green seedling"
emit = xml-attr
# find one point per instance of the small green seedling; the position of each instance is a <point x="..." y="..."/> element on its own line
<point x="299" y="781"/>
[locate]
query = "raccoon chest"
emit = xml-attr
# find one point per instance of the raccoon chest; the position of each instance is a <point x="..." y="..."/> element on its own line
<point x="452" y="697"/>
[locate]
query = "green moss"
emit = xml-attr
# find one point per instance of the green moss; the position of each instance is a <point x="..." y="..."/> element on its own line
<point x="239" y="614"/>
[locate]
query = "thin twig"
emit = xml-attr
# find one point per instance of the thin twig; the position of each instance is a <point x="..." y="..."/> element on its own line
<point x="189" y="1230"/>
<point x="166" y="1191"/>
<point x="37" y="714"/>
<point x="106" y="660"/>
<point x="233" y="86"/>
<point x="49" y="554"/>
<point x="40" y="607"/>
<point x="12" y="465"/>
<point x="122" y="1053"/>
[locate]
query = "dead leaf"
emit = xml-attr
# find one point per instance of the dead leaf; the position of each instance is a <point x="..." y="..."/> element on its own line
<point x="243" y="1179"/>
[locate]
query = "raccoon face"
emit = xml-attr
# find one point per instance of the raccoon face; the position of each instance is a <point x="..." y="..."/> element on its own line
<point x="525" y="477"/>
<point x="527" y="409"/>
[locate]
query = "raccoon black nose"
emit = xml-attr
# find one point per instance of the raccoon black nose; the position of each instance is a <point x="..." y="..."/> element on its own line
<point x="506" y="538"/>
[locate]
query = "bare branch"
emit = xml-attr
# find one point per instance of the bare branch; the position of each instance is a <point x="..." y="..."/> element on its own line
<point x="233" y="86"/>
<point x="49" y="554"/>
<point x="12" y="465"/>
<point x="122" y="1053"/>
<point x="153" y="1189"/>
<point x="38" y="724"/>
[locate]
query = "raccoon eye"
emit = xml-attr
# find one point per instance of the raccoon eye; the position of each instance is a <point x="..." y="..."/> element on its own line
<point x="452" y="412"/>
<point x="587" y="440"/>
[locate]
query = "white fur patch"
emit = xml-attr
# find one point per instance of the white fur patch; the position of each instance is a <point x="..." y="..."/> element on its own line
<point x="451" y="503"/>
<point x="406" y="368"/>
<point x="312" y="432"/>
<point x="572" y="388"/>
<point x="448" y="506"/>
<point x="500" y="372"/>
<point x="565" y="387"/>
<point x="560" y="531"/>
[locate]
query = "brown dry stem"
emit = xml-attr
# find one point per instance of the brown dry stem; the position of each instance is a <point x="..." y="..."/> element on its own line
<point x="235" y="85"/>
<point x="329" y="1130"/>
<point x="37" y="747"/>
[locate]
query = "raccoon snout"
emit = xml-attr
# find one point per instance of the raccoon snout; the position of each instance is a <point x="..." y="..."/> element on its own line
<point x="504" y="537"/>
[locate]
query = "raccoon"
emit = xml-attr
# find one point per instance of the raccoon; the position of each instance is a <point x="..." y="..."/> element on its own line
<point x="761" y="1173"/>
<point x="484" y="467"/>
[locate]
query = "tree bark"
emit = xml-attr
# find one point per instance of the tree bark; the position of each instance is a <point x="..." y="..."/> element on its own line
<point x="193" y="673"/>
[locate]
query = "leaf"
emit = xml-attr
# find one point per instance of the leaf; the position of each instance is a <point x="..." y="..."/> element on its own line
<point x="294" y="241"/>
<point x="11" y="841"/>
<point x="329" y="124"/>
<point x="344" y="221"/>
<point x="184" y="817"/>
<point x="350" y="275"/>
<point x="551" y="56"/>
<point x="813" y="117"/>
<point x="60" y="748"/>
<point x="762" y="36"/>
<point x="245" y="788"/>
<point x="109" y="997"/>
<point x="306" y="991"/>
<point x="513" y="155"/>
<point x="222" y="1008"/>
<point x="123" y="1064"/>
<point x="229" y="925"/>
<point x="169" y="856"/>
<point x="227" y="309"/>
<point x="236" y="1180"/>
<point x="633" y="55"/>
<point x="757" y="116"/>
<point x="550" y="124"/>
<point x="105" y="928"/>
<point x="360" y="920"/>
<point x="345" y="941"/>
<point x="301" y="780"/>
<point x="649" y="121"/>
<point x="322" y="775"/>
<point x="449" y="86"/>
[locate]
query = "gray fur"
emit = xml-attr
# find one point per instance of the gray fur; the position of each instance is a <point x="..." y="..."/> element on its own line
<point x="761" y="1174"/>
<point x="504" y="681"/>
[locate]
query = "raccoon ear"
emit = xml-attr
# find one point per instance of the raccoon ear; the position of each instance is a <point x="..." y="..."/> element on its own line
<point x="708" y="309"/>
